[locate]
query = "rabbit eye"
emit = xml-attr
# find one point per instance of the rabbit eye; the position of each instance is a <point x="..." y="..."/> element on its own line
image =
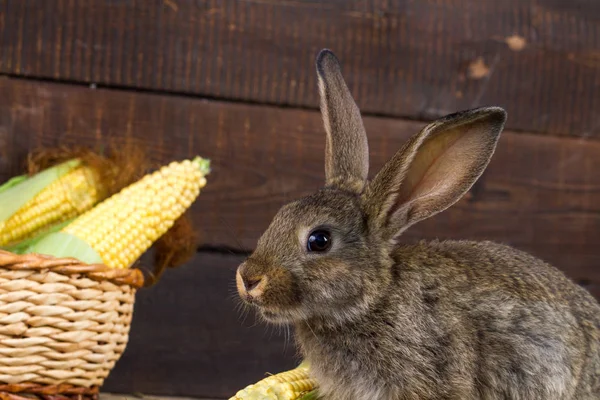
<point x="319" y="241"/>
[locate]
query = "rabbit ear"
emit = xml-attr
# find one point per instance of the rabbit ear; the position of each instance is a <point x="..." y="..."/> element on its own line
<point x="346" y="148"/>
<point x="434" y="169"/>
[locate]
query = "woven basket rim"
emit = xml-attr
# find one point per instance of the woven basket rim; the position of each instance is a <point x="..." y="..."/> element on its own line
<point x="42" y="389"/>
<point x="71" y="266"/>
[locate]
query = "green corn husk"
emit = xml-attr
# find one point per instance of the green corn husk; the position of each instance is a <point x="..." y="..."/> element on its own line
<point x="24" y="246"/>
<point x="62" y="244"/>
<point x="310" y="396"/>
<point x="12" y="182"/>
<point x="15" y="193"/>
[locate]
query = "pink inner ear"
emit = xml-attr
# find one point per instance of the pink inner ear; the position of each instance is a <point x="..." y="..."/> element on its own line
<point x="442" y="167"/>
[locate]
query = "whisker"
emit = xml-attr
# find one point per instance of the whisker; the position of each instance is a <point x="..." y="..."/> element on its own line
<point x="256" y="322"/>
<point x="271" y="331"/>
<point x="310" y="328"/>
<point x="288" y="336"/>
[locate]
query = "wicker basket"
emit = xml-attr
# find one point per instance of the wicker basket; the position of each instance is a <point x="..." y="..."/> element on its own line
<point x="63" y="325"/>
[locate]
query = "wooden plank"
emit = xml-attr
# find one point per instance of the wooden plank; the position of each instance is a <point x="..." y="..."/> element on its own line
<point x="416" y="59"/>
<point x="189" y="338"/>
<point x="540" y="193"/>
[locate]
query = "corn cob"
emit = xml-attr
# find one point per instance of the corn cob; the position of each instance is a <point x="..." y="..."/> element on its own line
<point x="121" y="228"/>
<point x="33" y="205"/>
<point x="288" y="385"/>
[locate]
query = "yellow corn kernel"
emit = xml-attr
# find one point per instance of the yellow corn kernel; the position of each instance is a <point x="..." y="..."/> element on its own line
<point x="63" y="199"/>
<point x="121" y="228"/>
<point x="288" y="385"/>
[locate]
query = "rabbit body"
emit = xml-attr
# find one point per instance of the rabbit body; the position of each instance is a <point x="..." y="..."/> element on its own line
<point x="463" y="320"/>
<point x="453" y="320"/>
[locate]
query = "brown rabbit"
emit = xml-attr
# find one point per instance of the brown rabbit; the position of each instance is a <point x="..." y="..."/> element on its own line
<point x="441" y="320"/>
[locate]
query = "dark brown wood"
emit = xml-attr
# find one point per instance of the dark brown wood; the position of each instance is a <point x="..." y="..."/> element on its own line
<point x="417" y="59"/>
<point x="189" y="337"/>
<point x="540" y="193"/>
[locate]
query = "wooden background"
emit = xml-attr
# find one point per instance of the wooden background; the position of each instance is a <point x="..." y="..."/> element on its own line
<point x="234" y="81"/>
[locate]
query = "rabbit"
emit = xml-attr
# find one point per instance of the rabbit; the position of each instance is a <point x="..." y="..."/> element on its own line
<point x="378" y="319"/>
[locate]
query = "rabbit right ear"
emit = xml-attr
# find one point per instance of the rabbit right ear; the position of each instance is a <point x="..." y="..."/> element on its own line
<point x="433" y="170"/>
<point x="346" y="148"/>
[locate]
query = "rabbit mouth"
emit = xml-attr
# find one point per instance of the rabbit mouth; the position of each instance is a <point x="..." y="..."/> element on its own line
<point x="278" y="316"/>
<point x="269" y="315"/>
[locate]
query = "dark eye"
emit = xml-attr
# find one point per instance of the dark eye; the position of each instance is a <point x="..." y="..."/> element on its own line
<point x="319" y="241"/>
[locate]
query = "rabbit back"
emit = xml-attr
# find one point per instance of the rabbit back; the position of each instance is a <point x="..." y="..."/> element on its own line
<point x="464" y="320"/>
<point x="524" y="318"/>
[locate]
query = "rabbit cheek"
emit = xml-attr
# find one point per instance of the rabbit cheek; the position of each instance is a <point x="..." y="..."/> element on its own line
<point x="332" y="282"/>
<point x="281" y="291"/>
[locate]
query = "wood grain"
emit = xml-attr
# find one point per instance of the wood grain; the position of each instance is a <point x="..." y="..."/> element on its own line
<point x="540" y="193"/>
<point x="189" y="338"/>
<point x="418" y="59"/>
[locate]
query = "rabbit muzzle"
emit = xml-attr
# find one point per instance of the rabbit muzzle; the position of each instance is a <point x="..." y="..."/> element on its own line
<point x="268" y="287"/>
<point x="250" y="286"/>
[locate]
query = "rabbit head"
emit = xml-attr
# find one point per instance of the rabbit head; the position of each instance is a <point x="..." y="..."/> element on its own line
<point x="327" y="256"/>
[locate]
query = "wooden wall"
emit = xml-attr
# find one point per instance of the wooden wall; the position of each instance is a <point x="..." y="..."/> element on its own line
<point x="235" y="81"/>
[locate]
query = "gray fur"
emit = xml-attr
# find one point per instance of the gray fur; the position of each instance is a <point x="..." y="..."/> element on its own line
<point x="439" y="320"/>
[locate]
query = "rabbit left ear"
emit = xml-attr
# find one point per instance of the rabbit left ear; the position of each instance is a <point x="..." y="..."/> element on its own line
<point x="434" y="169"/>
<point x="346" y="148"/>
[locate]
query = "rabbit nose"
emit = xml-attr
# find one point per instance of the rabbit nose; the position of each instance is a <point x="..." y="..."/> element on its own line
<point x="250" y="287"/>
<point x="251" y="283"/>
